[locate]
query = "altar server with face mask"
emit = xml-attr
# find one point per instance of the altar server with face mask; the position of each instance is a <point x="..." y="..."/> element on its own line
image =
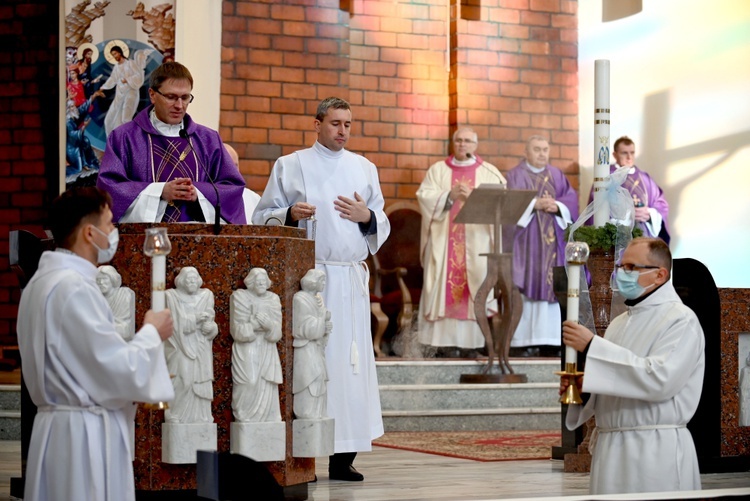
<point x="644" y="380"/>
<point x="82" y="376"/>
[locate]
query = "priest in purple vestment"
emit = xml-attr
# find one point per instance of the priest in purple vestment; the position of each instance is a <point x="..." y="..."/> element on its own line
<point x="651" y="208"/>
<point x="162" y="166"/>
<point x="538" y="244"/>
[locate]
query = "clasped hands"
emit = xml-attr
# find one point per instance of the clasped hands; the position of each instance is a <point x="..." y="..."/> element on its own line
<point x="180" y="188"/>
<point x="460" y="191"/>
<point x="354" y="210"/>
<point x="546" y="203"/>
<point x="642" y="215"/>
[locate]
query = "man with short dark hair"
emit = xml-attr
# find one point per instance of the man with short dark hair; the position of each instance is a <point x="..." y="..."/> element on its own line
<point x="341" y="191"/>
<point x="651" y="207"/>
<point x="644" y="378"/>
<point x="81" y="374"/>
<point x="160" y="166"/>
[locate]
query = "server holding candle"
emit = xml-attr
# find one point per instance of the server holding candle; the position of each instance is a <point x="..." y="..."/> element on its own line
<point x="81" y="374"/>
<point x="644" y="380"/>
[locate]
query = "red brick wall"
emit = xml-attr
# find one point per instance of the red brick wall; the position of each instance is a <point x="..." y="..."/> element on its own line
<point x="512" y="63"/>
<point x="511" y="72"/>
<point x="29" y="154"/>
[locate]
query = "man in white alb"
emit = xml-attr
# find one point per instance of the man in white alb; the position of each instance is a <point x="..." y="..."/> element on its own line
<point x="644" y="378"/>
<point x="341" y="191"/>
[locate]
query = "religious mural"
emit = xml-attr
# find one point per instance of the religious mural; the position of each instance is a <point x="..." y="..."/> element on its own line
<point x="111" y="50"/>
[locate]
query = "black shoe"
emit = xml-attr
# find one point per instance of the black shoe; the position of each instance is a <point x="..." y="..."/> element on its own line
<point x="524" y="352"/>
<point x="448" y="352"/>
<point x="469" y="353"/>
<point x="550" y="352"/>
<point x="349" y="474"/>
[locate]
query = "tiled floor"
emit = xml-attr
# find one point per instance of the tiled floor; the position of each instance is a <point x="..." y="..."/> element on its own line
<point x="401" y="475"/>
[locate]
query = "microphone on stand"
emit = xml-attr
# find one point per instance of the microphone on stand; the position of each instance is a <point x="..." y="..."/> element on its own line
<point x="217" y="207"/>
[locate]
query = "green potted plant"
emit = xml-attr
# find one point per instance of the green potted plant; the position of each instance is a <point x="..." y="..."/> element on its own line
<point x="601" y="238"/>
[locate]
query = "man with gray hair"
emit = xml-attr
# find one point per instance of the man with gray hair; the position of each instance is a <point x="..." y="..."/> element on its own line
<point x="337" y="194"/>
<point x="450" y="252"/>
<point x="538" y="244"/>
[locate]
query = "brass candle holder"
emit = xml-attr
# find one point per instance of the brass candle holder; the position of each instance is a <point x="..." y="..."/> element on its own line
<point x="576" y="254"/>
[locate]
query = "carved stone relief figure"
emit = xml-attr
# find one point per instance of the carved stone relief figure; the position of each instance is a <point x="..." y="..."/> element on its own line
<point x="189" y="351"/>
<point x="311" y="328"/>
<point x="745" y="393"/>
<point x="255" y="325"/>
<point x="121" y="300"/>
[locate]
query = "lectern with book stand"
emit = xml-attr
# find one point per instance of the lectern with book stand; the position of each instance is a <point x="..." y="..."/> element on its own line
<point x="495" y="205"/>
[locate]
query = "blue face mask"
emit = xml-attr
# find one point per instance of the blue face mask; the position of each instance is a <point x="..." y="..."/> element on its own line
<point x="627" y="283"/>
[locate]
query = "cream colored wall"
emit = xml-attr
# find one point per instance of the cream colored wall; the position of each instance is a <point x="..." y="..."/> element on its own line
<point x="198" y="46"/>
<point x="680" y="88"/>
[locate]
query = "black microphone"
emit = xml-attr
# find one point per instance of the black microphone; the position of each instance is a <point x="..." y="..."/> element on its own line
<point x="217" y="207"/>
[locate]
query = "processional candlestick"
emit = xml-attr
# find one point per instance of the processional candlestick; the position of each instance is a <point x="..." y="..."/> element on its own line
<point x="157" y="246"/>
<point x="576" y="254"/>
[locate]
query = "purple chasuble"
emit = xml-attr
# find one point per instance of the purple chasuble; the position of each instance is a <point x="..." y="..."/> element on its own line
<point x="645" y="193"/>
<point x="456" y="282"/>
<point x="540" y="246"/>
<point x="137" y="155"/>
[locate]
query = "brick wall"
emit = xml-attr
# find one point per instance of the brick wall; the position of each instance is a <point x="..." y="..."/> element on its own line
<point x="29" y="142"/>
<point x="412" y="71"/>
<point x="510" y="72"/>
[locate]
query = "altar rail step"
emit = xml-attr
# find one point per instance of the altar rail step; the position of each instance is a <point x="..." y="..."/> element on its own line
<point x="10" y="412"/>
<point x="441" y="371"/>
<point x="425" y="395"/>
<point x="468" y="396"/>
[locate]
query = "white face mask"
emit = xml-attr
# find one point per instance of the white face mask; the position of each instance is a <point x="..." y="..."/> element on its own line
<point x="106" y="255"/>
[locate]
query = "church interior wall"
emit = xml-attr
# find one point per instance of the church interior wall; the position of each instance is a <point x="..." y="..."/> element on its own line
<point x="514" y="67"/>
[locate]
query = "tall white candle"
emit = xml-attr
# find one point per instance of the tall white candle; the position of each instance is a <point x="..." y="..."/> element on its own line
<point x="574" y="292"/>
<point x="601" y="139"/>
<point x="158" y="281"/>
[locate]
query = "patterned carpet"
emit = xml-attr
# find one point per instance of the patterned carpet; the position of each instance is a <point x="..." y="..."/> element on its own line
<point x="476" y="445"/>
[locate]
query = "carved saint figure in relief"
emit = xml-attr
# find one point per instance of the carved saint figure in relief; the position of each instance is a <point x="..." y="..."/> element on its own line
<point x="121" y="300"/>
<point x="745" y="393"/>
<point x="255" y="325"/>
<point x="189" y="351"/>
<point x="311" y="328"/>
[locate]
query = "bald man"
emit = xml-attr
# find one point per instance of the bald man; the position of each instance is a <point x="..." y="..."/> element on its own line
<point x="249" y="197"/>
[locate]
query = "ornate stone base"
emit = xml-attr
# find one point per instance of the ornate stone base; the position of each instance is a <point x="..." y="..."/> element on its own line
<point x="577" y="463"/>
<point x="312" y="437"/>
<point x="180" y="442"/>
<point x="258" y="441"/>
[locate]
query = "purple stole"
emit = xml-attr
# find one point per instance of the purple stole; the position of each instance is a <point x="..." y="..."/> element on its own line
<point x="171" y="158"/>
<point x="638" y="190"/>
<point x="457" y="295"/>
<point x="539" y="273"/>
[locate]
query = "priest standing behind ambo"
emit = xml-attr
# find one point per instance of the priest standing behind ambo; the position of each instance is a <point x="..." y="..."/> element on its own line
<point x="643" y="379"/>
<point x="452" y="253"/>
<point x="163" y="166"/>
<point x="81" y="374"/>
<point x="341" y="191"/>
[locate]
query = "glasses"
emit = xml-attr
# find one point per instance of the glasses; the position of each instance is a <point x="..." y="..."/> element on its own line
<point x="467" y="141"/>
<point x="172" y="98"/>
<point x="628" y="268"/>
